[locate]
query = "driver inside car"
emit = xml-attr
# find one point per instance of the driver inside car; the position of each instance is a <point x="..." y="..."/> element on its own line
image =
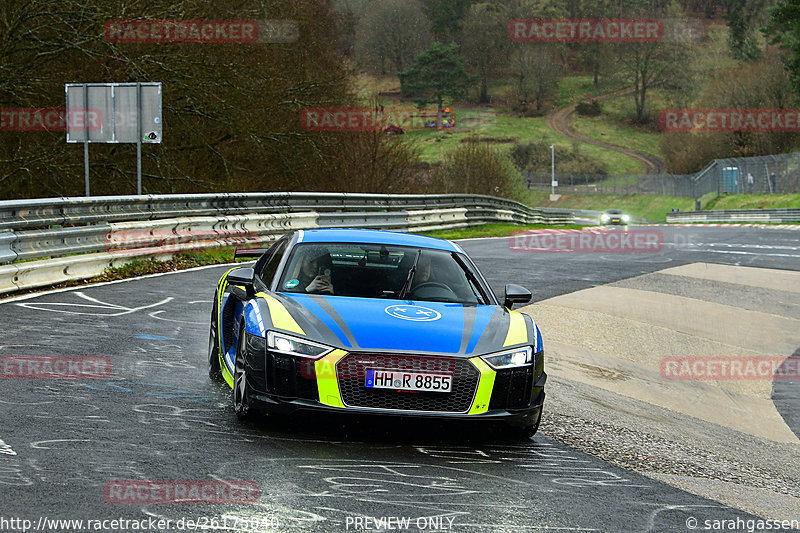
<point x="315" y="271"/>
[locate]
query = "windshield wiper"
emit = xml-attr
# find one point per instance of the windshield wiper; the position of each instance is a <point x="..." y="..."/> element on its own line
<point x="410" y="277"/>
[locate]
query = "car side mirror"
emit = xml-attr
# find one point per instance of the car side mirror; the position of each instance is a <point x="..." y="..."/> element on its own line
<point x="514" y="294"/>
<point x="241" y="277"/>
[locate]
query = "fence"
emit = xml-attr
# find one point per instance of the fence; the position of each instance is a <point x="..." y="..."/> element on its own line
<point x="770" y="174"/>
<point x="39" y="238"/>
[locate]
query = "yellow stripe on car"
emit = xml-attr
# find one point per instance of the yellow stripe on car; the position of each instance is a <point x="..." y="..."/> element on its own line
<point x="281" y="318"/>
<point x="327" y="383"/>
<point x="485" y="386"/>
<point x="517" y="330"/>
<point x="226" y="374"/>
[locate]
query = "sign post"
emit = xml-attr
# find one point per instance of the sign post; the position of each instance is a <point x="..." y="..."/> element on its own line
<point x="114" y="113"/>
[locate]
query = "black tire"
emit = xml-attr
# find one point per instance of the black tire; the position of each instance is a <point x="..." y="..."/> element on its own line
<point x="239" y="395"/>
<point x="528" y="431"/>
<point x="214" y="371"/>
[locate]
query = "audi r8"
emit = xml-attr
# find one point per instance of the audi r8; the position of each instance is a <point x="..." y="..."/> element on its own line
<point x="379" y="322"/>
<point x="614" y="216"/>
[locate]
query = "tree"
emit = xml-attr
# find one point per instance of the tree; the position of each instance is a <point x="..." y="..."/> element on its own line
<point x="231" y="110"/>
<point x="446" y="17"/>
<point x="436" y="74"/>
<point x="477" y="168"/>
<point x="391" y="34"/>
<point x="756" y="84"/>
<point x="485" y="42"/>
<point x="349" y="12"/>
<point x="784" y="28"/>
<point x="595" y="56"/>
<point x="743" y="17"/>
<point x="537" y="72"/>
<point x="650" y="65"/>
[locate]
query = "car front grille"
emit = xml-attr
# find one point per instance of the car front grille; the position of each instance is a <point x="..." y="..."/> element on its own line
<point x="290" y="377"/>
<point x="351" y="374"/>
<point x="512" y="388"/>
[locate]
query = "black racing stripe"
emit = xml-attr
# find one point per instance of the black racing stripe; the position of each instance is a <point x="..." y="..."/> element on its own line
<point x="263" y="306"/>
<point x="328" y="308"/>
<point x="469" y="322"/>
<point x="495" y="332"/>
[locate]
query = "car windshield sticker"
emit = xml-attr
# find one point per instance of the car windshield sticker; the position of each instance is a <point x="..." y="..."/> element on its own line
<point x="292" y="283"/>
<point x="413" y="312"/>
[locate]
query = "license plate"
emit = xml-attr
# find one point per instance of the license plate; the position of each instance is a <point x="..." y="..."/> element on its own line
<point x="416" y="381"/>
<point x="615" y="220"/>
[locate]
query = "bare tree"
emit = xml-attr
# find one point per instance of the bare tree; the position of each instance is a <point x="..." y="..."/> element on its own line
<point x="485" y="42"/>
<point x="231" y="110"/>
<point x="649" y="65"/>
<point x="392" y="34"/>
<point x="537" y="72"/>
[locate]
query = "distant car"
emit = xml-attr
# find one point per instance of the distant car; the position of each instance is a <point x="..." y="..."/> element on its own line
<point x="614" y="216"/>
<point x="366" y="321"/>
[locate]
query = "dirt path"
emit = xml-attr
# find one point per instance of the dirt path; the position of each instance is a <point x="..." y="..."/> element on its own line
<point x="560" y="123"/>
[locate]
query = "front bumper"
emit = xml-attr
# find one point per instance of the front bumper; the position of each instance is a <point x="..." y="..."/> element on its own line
<point x="335" y="383"/>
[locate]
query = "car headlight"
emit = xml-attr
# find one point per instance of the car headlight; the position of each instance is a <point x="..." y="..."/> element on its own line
<point x="278" y="342"/>
<point x="626" y="218"/>
<point x="510" y="358"/>
<point x="604" y="217"/>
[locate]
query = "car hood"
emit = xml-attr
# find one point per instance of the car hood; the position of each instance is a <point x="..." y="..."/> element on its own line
<point x="367" y="324"/>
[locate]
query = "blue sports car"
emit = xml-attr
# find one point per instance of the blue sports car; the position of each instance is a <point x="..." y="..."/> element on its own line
<point x="378" y="322"/>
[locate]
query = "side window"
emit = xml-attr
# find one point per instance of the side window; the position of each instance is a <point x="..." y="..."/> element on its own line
<point x="271" y="266"/>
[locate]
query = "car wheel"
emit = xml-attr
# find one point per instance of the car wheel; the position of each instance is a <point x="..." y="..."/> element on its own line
<point x="214" y="371"/>
<point x="241" y="399"/>
<point x="527" y="431"/>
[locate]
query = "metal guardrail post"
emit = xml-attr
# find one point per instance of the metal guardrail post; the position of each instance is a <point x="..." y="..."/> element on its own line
<point x="7" y="254"/>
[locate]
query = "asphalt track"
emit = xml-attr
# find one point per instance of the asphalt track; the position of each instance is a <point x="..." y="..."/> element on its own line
<point x="158" y="417"/>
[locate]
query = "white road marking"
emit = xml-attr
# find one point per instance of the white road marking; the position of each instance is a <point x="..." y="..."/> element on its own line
<point x="6" y="449"/>
<point x="96" y="304"/>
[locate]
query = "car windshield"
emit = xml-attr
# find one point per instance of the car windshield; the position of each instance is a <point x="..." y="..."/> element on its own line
<point x="382" y="271"/>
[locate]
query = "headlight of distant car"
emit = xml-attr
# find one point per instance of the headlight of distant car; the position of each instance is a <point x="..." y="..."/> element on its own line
<point x="278" y="342"/>
<point x="604" y="217"/>
<point x="626" y="218"/>
<point x="510" y="358"/>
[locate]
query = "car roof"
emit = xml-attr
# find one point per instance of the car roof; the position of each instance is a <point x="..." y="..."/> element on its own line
<point x="369" y="236"/>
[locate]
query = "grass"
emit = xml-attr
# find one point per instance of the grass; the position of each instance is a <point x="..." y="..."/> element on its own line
<point x="491" y="230"/>
<point x="501" y="129"/>
<point x="757" y="201"/>
<point x="576" y="88"/>
<point x="648" y="206"/>
<point x="487" y="124"/>
<point x="654" y="208"/>
<point x="609" y="129"/>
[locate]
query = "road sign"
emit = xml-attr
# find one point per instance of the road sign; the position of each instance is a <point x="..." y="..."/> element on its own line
<point x="121" y="113"/>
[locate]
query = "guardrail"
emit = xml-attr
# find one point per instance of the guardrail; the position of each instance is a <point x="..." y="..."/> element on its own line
<point x="39" y="239"/>
<point x="594" y="215"/>
<point x="736" y="215"/>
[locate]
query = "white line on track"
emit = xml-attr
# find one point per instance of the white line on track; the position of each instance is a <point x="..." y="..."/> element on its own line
<point x="6" y="449"/>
